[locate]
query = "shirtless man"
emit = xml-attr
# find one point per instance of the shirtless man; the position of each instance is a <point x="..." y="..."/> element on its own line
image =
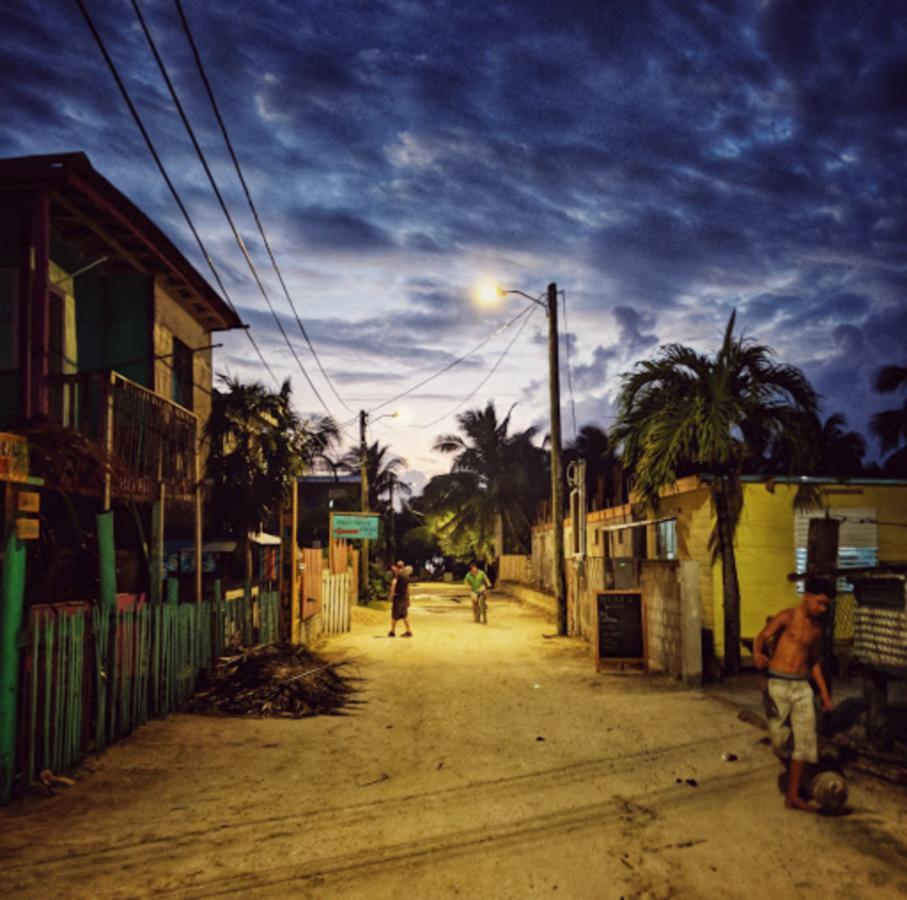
<point x="799" y="637"/>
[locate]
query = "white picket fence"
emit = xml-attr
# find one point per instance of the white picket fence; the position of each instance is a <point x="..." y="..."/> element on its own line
<point x="336" y="600"/>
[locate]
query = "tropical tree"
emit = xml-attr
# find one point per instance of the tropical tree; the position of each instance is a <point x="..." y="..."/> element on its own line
<point x="602" y="480"/>
<point x="813" y="447"/>
<point x="257" y="444"/>
<point x="684" y="411"/>
<point x="890" y="425"/>
<point x="382" y="470"/>
<point x="493" y="473"/>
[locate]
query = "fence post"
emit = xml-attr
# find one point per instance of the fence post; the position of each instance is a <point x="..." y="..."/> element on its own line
<point x="12" y="595"/>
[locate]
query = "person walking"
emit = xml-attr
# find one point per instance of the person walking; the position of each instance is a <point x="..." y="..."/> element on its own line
<point x="477" y="582"/>
<point x="400" y="598"/>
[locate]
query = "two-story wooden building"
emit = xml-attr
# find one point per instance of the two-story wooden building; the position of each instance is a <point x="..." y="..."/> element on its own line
<point x="105" y="345"/>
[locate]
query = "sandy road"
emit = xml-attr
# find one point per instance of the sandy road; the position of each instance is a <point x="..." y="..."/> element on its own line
<point x="485" y="762"/>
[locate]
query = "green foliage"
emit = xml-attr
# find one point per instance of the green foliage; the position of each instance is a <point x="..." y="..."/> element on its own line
<point x="890" y="425"/>
<point x="493" y="473"/>
<point x="257" y="444"/>
<point x="684" y="412"/>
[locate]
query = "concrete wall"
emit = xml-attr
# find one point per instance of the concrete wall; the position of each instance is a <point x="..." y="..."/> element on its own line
<point x="673" y="625"/>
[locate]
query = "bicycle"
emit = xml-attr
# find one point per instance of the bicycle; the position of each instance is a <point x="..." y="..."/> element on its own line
<point x="480" y="606"/>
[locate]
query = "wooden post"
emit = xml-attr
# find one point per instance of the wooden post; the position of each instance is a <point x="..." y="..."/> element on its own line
<point x="107" y="419"/>
<point x="557" y="488"/>
<point x="295" y="611"/>
<point x="199" y="521"/>
<point x="157" y="544"/>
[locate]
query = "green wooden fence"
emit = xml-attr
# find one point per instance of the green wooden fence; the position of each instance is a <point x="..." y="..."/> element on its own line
<point x="92" y="676"/>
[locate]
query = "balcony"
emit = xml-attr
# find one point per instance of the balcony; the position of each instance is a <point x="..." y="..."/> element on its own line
<point x="146" y="439"/>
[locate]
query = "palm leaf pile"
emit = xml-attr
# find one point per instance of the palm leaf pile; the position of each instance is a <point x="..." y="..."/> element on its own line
<point x="280" y="680"/>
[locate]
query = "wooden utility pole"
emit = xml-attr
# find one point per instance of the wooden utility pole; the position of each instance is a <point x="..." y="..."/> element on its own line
<point x="557" y="488"/>
<point x="363" y="474"/>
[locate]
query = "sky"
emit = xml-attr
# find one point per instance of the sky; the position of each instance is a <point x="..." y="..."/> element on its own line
<point x="663" y="163"/>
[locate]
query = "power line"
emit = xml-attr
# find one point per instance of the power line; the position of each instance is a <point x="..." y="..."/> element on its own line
<point x="491" y="372"/>
<point x="248" y="193"/>
<point x="448" y="367"/>
<point x="157" y="159"/>
<point x="220" y="199"/>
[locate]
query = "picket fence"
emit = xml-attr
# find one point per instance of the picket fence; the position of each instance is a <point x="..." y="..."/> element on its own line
<point x="91" y="676"/>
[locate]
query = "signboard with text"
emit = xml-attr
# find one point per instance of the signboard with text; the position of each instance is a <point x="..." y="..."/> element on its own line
<point x="13" y="457"/>
<point x="354" y="526"/>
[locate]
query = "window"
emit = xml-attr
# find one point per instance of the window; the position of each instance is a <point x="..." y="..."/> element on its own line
<point x="182" y="374"/>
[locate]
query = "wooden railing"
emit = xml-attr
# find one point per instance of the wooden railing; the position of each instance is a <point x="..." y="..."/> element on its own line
<point x="151" y="440"/>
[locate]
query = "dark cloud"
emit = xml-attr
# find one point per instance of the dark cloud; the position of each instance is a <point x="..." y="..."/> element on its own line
<point x="665" y="163"/>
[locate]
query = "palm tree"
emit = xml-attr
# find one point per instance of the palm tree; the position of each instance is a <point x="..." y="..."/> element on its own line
<point x="813" y="447"/>
<point x="684" y="411"/>
<point x="257" y="444"/>
<point x="493" y="474"/>
<point x="602" y="478"/>
<point x="381" y="469"/>
<point x="890" y="425"/>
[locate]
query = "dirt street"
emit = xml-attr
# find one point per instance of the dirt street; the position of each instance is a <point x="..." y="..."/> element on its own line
<point x="486" y="762"/>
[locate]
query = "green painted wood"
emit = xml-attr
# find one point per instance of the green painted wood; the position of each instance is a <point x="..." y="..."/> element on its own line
<point x="12" y="593"/>
<point x="107" y="560"/>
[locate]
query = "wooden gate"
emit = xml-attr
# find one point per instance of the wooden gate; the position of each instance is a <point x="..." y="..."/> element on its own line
<point x="335" y="603"/>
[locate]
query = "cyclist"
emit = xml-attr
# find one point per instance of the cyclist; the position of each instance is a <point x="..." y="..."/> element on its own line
<point x="477" y="582"/>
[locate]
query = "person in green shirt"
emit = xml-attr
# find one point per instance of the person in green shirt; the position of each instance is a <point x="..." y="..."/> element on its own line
<point x="477" y="582"/>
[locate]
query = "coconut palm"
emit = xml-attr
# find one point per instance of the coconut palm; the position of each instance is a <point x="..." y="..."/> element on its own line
<point x="813" y="447"/>
<point x="684" y="411"/>
<point x="602" y="480"/>
<point x="890" y="425"/>
<point x="257" y="444"/>
<point x="494" y="473"/>
<point x="381" y="468"/>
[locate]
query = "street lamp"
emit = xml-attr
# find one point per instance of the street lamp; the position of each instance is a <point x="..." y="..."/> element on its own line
<point x="363" y="493"/>
<point x="485" y="294"/>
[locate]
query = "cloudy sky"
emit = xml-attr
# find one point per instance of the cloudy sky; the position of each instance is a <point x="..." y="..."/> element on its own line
<point x="664" y="163"/>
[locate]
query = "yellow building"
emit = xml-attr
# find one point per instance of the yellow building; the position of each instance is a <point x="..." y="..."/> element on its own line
<point x="771" y="541"/>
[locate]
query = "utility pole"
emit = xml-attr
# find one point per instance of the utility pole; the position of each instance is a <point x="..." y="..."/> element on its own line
<point x="557" y="488"/>
<point x="363" y="499"/>
<point x="393" y="534"/>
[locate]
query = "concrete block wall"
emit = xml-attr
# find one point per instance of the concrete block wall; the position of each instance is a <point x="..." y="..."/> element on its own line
<point x="663" y="616"/>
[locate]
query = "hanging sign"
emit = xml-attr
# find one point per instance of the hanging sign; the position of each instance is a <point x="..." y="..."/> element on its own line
<point x="13" y="457"/>
<point x="354" y="526"/>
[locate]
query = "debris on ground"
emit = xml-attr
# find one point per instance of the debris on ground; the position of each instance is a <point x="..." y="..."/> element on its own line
<point x="50" y="781"/>
<point x="729" y="757"/>
<point x="280" y="680"/>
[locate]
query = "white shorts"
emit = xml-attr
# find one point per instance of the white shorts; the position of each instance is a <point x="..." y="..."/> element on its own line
<point x="793" y="719"/>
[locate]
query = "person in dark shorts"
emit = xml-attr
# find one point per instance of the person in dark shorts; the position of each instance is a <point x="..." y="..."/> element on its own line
<point x="400" y="598"/>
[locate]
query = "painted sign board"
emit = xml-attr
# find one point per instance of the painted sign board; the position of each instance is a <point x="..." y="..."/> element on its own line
<point x="27" y="529"/>
<point x="354" y="526"/>
<point x="28" y="502"/>
<point x="13" y="457"/>
<point x="620" y="629"/>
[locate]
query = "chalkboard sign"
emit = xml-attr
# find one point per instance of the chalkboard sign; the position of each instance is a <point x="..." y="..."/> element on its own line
<point x="621" y="629"/>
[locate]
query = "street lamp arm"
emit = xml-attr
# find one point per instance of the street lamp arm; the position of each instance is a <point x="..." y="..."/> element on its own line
<point x="537" y="300"/>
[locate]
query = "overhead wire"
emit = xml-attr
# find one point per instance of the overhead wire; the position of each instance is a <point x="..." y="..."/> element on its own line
<point x="157" y="159"/>
<point x="449" y="366"/>
<point x="261" y="230"/>
<point x="485" y="380"/>
<point x="220" y="199"/>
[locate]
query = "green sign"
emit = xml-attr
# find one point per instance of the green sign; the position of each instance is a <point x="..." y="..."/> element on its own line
<point x="355" y="527"/>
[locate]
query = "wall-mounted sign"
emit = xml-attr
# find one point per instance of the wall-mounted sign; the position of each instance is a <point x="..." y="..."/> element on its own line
<point x="354" y="526"/>
<point x="28" y="502"/>
<point x="28" y="529"/>
<point x="13" y="457"/>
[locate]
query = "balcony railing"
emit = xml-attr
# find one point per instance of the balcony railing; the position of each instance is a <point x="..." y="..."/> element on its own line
<point x="151" y="440"/>
<point x="146" y="439"/>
